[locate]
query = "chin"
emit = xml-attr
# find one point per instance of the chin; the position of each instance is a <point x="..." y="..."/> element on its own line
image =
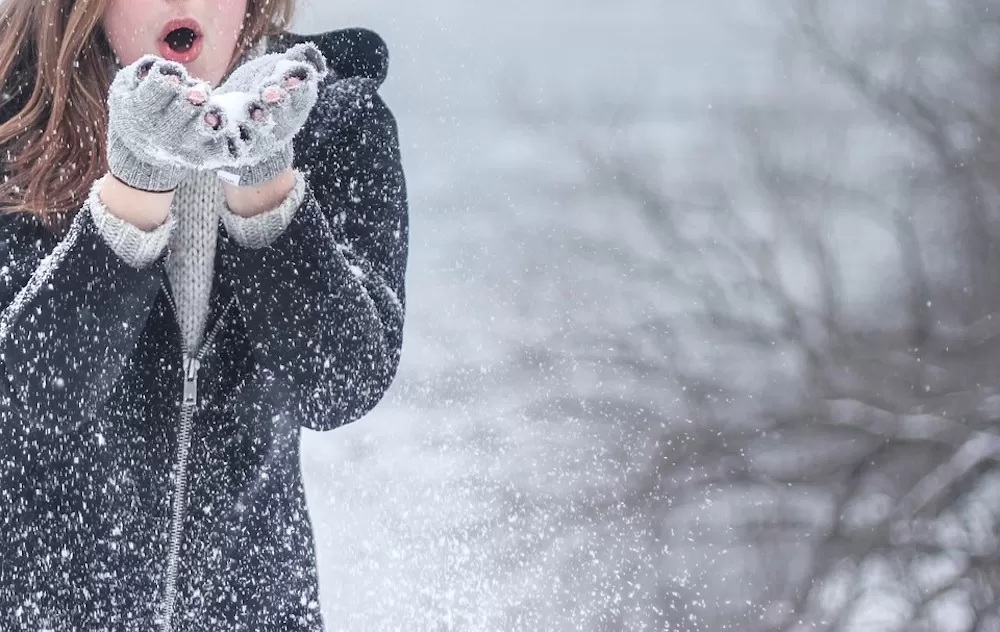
<point x="198" y="71"/>
<point x="204" y="74"/>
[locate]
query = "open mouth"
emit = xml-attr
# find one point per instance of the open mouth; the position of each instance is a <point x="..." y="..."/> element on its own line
<point x="180" y="40"/>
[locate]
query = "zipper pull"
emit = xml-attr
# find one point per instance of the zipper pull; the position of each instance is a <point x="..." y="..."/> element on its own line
<point x="191" y="367"/>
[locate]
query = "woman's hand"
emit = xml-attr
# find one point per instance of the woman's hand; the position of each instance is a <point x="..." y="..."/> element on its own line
<point x="157" y="131"/>
<point x="257" y="111"/>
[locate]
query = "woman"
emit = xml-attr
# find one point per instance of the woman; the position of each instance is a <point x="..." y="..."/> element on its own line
<point x="203" y="244"/>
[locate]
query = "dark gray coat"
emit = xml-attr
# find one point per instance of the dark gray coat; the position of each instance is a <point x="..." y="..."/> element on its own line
<point x="119" y="500"/>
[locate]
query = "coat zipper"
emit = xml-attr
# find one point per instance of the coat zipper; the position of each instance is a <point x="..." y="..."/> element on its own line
<point x="189" y="403"/>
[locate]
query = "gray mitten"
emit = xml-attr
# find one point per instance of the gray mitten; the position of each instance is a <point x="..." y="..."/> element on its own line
<point x="257" y="111"/>
<point x="157" y="132"/>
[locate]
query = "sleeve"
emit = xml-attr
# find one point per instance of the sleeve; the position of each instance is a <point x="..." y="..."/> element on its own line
<point x="71" y="313"/>
<point x="139" y="248"/>
<point x="261" y="230"/>
<point x="324" y="303"/>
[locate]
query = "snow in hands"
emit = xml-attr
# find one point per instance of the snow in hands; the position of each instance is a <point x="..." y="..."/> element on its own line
<point x="251" y="116"/>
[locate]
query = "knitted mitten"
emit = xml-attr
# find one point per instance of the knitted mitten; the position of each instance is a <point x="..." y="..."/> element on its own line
<point x="156" y="127"/>
<point x="257" y="111"/>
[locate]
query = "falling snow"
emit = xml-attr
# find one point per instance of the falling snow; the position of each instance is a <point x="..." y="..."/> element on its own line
<point x="698" y="337"/>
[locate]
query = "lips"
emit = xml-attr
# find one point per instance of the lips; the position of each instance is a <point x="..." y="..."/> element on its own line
<point x="181" y="40"/>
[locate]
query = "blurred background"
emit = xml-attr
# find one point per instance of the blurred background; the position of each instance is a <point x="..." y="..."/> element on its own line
<point x="700" y="327"/>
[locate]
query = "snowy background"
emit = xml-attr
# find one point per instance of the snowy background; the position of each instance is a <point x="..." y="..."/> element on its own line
<point x="465" y="500"/>
<point x="566" y="446"/>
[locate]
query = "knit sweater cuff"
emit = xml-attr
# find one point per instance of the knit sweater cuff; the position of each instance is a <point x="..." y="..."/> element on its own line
<point x="138" y="248"/>
<point x="263" y="229"/>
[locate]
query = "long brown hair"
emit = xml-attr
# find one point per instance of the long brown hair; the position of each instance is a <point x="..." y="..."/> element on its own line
<point x="56" y="65"/>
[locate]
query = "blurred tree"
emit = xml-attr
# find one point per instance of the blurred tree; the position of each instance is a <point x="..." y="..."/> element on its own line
<point x="812" y="362"/>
